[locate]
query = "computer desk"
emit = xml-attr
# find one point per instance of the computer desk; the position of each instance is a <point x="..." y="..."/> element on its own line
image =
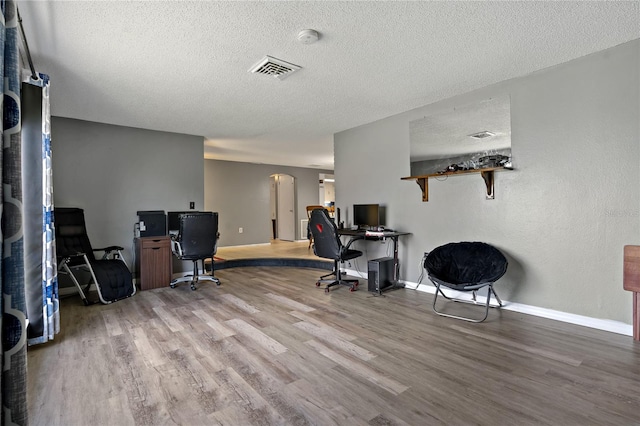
<point x="359" y="234"/>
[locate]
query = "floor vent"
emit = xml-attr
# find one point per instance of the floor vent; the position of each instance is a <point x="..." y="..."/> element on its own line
<point x="274" y="67"/>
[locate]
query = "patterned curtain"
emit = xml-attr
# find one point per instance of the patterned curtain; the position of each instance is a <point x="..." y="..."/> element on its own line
<point x="41" y="277"/>
<point x="15" y="287"/>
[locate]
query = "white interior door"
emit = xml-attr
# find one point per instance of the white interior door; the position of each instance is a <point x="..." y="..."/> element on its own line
<point x="285" y="205"/>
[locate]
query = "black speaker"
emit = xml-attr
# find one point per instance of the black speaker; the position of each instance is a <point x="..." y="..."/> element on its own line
<point x="380" y="274"/>
<point x="153" y="223"/>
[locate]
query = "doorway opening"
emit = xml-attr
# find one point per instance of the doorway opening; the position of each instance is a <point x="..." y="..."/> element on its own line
<point x="327" y="194"/>
<point x="282" y="207"/>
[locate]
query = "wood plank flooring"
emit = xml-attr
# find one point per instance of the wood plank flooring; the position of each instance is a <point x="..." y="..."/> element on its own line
<point x="269" y="348"/>
<point x="277" y="248"/>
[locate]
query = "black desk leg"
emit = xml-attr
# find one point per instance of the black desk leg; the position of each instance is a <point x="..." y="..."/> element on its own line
<point x="396" y="269"/>
<point x="396" y="265"/>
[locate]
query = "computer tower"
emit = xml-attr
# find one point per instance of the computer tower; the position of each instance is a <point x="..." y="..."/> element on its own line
<point x="380" y="274"/>
<point x="152" y="223"/>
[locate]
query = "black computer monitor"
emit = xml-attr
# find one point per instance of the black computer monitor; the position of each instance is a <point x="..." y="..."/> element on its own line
<point x="173" y="220"/>
<point x="367" y="216"/>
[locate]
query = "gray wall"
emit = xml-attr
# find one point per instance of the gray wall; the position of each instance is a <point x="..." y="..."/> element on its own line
<point x="239" y="192"/>
<point x="562" y="216"/>
<point x="112" y="172"/>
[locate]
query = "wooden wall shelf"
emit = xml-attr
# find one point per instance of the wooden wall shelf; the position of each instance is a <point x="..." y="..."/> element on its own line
<point x="486" y="173"/>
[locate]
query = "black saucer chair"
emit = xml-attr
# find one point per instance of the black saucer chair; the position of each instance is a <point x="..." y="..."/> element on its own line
<point x="327" y="244"/>
<point x="465" y="266"/>
<point x="196" y="241"/>
<point x="109" y="274"/>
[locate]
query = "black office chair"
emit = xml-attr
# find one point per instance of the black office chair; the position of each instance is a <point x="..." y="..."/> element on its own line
<point x="196" y="241"/>
<point x="327" y="244"/>
<point x="109" y="274"/>
<point x="465" y="266"/>
<point x="309" y="234"/>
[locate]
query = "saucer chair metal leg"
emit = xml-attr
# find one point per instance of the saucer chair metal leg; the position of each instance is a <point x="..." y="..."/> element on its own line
<point x="486" y="310"/>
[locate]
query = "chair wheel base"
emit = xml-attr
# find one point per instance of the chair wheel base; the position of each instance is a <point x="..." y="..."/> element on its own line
<point x="194" y="281"/>
<point x="352" y="284"/>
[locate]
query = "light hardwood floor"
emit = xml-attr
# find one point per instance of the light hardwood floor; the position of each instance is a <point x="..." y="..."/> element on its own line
<point x="277" y="248"/>
<point x="268" y="347"/>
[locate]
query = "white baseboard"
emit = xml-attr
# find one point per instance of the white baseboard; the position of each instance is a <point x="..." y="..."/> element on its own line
<point x="597" y="323"/>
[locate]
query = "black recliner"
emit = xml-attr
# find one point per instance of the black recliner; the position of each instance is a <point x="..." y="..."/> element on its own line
<point x="196" y="241"/>
<point x="327" y="244"/>
<point x="465" y="267"/>
<point x="109" y="274"/>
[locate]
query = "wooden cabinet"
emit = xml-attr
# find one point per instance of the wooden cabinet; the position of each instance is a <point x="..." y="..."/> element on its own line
<point x="631" y="282"/>
<point x="153" y="262"/>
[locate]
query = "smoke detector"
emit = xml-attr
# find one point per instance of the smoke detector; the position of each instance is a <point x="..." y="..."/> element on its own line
<point x="308" y="36"/>
<point x="275" y="67"/>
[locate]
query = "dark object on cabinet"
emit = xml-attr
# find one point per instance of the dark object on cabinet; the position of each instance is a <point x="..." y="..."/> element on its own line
<point x="155" y="223"/>
<point x="327" y="244"/>
<point x="153" y="262"/>
<point x="196" y="241"/>
<point x="110" y="273"/>
<point x="465" y="266"/>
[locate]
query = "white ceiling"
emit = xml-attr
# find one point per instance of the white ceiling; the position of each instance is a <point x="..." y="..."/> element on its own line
<point x="448" y="134"/>
<point x="182" y="66"/>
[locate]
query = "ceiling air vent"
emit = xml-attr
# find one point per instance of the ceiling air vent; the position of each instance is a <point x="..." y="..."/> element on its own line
<point x="482" y="135"/>
<point x="275" y="67"/>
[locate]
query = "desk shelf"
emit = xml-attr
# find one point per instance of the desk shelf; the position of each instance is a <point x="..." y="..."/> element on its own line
<point x="486" y="173"/>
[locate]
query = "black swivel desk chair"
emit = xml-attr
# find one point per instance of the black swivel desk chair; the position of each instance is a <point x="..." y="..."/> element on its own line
<point x="196" y="241"/>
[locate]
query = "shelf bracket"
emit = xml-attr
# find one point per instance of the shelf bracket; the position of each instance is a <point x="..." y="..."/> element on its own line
<point x="423" y="183"/>
<point x="488" y="181"/>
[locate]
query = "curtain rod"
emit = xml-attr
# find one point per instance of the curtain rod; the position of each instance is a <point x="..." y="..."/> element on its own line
<point x="34" y="74"/>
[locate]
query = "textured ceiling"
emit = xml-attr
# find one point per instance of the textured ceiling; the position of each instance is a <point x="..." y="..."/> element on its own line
<point x="447" y="134"/>
<point x="182" y="66"/>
